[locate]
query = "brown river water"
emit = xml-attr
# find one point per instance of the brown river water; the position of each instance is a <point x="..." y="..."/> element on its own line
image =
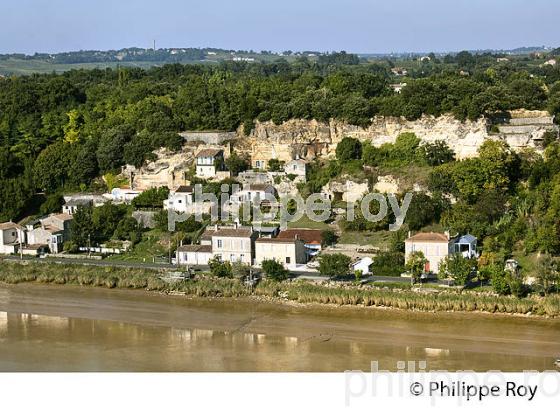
<point x="67" y="328"/>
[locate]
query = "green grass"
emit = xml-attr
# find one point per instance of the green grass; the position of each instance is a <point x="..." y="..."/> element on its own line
<point x="380" y="239"/>
<point x="305" y="222"/>
<point x="13" y="272"/>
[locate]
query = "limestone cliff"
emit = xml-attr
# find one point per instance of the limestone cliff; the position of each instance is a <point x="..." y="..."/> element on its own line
<point x="310" y="138"/>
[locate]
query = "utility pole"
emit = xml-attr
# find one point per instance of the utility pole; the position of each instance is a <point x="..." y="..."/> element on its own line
<point x="89" y="245"/>
<point x="154" y="46"/>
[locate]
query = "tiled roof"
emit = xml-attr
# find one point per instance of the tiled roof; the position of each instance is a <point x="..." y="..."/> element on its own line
<point x="313" y="236"/>
<point x="276" y="240"/>
<point x="208" y="152"/>
<point x="195" y="248"/>
<point x="63" y="217"/>
<point x="184" y="189"/>
<point x="10" y="225"/>
<point x="428" y="237"/>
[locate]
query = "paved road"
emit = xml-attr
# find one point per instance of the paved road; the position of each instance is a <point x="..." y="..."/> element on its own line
<point x="149" y="265"/>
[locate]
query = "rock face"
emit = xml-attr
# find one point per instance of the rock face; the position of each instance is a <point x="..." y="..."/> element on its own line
<point x="310" y="139"/>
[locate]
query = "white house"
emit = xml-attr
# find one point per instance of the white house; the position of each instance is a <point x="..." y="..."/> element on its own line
<point x="52" y="232"/>
<point x="180" y="199"/>
<point x="234" y="245"/>
<point x="362" y="265"/>
<point x="434" y="246"/>
<point x="71" y="206"/>
<point x="253" y="193"/>
<point x="208" y="162"/>
<point x="12" y="236"/>
<point x="122" y="195"/>
<point x="194" y="254"/>
<point x="289" y="252"/>
<point x="297" y="167"/>
<point x="312" y="239"/>
<point x="437" y="246"/>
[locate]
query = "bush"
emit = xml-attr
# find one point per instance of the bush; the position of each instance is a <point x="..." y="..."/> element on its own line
<point x="274" y="270"/>
<point x="335" y="264"/>
<point x="221" y="269"/>
<point x="388" y="264"/>
<point x="348" y="149"/>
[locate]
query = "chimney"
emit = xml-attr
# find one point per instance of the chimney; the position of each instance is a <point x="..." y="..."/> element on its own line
<point x="297" y="237"/>
<point x="447" y="235"/>
<point x="409" y="234"/>
<point x="216" y="227"/>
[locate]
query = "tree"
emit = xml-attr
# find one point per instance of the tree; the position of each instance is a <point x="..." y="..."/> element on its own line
<point x="335" y="264"/>
<point x="236" y="164"/>
<point x="437" y="153"/>
<point x="221" y="269"/>
<point x="52" y="204"/>
<point x="82" y="230"/>
<point x="106" y="218"/>
<point x="127" y="229"/>
<point x="348" y="149"/>
<point x="458" y="268"/>
<point x="328" y="237"/>
<point x="275" y="165"/>
<point x="416" y="265"/>
<point x="274" y="270"/>
<point x="388" y="264"/>
<point x="547" y="273"/>
<point x="110" y="151"/>
<point x="151" y="198"/>
<point x="240" y="270"/>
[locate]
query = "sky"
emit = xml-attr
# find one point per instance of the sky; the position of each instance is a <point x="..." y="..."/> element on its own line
<point x="359" y="26"/>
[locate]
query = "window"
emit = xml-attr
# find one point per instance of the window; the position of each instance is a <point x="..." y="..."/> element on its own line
<point x="288" y="259"/>
<point x="219" y="244"/>
<point x="241" y="257"/>
<point x="179" y="201"/>
<point x="232" y="258"/>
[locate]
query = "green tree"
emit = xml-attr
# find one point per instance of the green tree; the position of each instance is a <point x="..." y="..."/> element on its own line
<point x="328" y="237"/>
<point x="274" y="270"/>
<point x="416" y="265"/>
<point x="52" y="204"/>
<point x="460" y="269"/>
<point x="349" y="149"/>
<point x="82" y="230"/>
<point x="335" y="264"/>
<point x="221" y="269"/>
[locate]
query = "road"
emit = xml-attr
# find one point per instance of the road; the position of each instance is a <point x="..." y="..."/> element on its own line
<point x="158" y="266"/>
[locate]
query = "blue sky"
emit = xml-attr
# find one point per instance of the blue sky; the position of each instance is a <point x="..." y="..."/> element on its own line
<point x="353" y="25"/>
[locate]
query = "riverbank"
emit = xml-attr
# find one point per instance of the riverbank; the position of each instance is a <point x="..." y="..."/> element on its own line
<point x="297" y="291"/>
<point x="77" y="328"/>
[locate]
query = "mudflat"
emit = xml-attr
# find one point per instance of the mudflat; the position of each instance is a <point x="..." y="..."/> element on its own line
<point x="70" y="328"/>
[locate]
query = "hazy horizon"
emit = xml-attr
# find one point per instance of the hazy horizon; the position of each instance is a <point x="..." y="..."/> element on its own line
<point x="357" y="26"/>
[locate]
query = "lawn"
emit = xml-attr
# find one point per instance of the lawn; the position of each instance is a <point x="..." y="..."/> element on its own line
<point x="304" y="222"/>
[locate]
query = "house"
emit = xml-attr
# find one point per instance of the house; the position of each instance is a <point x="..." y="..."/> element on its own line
<point x="194" y="254"/>
<point x="312" y="239"/>
<point x="266" y="231"/>
<point x="362" y="265"/>
<point x="12" y="237"/>
<point x="399" y="71"/>
<point x="71" y="206"/>
<point x="122" y="195"/>
<point x="180" y="199"/>
<point x="397" y="87"/>
<point x="466" y="246"/>
<point x="52" y="232"/>
<point x="345" y="190"/>
<point x="434" y="246"/>
<point x="235" y="244"/>
<point x="208" y="162"/>
<point x="289" y="252"/>
<point x="297" y="167"/>
<point x="551" y="62"/>
<point x="255" y="193"/>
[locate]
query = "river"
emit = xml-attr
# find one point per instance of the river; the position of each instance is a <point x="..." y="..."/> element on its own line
<point x="69" y="328"/>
